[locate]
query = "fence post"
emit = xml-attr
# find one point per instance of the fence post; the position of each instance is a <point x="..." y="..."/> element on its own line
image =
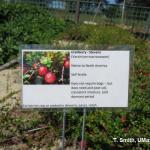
<point x="123" y="11"/>
<point x="77" y="15"/>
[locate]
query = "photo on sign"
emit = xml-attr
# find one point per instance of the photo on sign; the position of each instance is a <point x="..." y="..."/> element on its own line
<point x="46" y="67"/>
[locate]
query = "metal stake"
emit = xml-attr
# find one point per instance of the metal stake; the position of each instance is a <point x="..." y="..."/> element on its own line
<point x="63" y="130"/>
<point x="123" y="11"/>
<point x="83" y="129"/>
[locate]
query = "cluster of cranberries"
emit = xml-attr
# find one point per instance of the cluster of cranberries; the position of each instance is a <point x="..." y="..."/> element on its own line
<point x="49" y="76"/>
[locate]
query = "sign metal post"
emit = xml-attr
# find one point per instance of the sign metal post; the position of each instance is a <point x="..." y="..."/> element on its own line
<point x="63" y="129"/>
<point x="83" y="130"/>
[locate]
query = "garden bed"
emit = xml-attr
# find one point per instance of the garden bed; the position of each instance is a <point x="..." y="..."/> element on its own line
<point x="36" y="26"/>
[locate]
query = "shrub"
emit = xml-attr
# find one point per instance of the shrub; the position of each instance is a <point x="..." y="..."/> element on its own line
<point x="25" y="24"/>
<point x="102" y="35"/>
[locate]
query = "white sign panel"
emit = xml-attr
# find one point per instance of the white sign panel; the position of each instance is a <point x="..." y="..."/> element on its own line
<point x="75" y="78"/>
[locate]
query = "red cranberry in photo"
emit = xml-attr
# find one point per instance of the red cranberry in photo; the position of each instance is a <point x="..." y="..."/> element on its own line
<point x="42" y="71"/>
<point x="66" y="63"/>
<point x="50" y="78"/>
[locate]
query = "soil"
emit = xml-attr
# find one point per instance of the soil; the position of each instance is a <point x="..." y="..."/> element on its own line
<point x="10" y="89"/>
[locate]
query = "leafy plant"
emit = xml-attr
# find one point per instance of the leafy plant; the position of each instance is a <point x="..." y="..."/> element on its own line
<point x="25" y="24"/>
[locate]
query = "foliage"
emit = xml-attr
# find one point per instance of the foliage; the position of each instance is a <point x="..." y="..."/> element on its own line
<point x="25" y="24"/>
<point x="15" y="125"/>
<point x="103" y="35"/>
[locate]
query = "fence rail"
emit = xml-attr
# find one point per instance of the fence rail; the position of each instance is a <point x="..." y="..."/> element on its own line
<point x="135" y="17"/>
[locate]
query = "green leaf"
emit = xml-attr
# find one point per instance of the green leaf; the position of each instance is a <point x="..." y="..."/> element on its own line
<point x="26" y="76"/>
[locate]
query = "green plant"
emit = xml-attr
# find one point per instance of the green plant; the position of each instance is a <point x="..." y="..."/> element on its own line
<point x="25" y="24"/>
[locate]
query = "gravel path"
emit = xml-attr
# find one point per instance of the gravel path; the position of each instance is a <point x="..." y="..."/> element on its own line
<point x="10" y="86"/>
